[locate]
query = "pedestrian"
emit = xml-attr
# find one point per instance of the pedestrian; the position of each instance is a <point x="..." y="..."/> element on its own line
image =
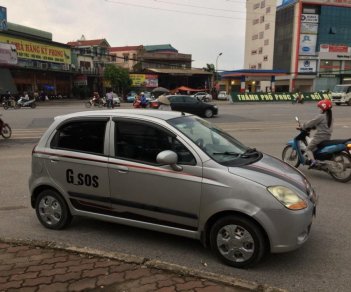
<point x="164" y="102"/>
<point x="109" y="99"/>
<point x="323" y="123"/>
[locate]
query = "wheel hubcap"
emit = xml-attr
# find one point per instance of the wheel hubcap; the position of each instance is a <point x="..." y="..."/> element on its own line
<point x="235" y="243"/>
<point x="50" y="210"/>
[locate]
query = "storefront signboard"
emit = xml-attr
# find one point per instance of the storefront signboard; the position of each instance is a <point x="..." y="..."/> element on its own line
<point x="80" y="80"/>
<point x="308" y="44"/>
<point x="326" y="48"/>
<point x="309" y="18"/>
<point x="3" y="18"/>
<point x="307" y="66"/>
<point x="8" y="54"/>
<point x="309" y="28"/>
<point x="344" y="3"/>
<point x="144" y="80"/>
<point x="38" y="51"/>
<point x="334" y="56"/>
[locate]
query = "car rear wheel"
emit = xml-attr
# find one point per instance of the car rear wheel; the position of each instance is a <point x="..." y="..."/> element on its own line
<point x="52" y="211"/>
<point x="237" y="241"/>
<point x="208" y="113"/>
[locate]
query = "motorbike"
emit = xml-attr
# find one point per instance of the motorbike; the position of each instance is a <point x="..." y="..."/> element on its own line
<point x="332" y="156"/>
<point x="26" y="103"/>
<point x="137" y="104"/>
<point x="101" y="102"/>
<point x="9" y="103"/>
<point x="5" y="129"/>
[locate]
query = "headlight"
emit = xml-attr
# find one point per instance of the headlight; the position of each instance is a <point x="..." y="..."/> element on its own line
<point x="287" y="197"/>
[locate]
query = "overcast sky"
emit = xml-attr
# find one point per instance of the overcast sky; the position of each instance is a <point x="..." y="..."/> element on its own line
<point x="203" y="28"/>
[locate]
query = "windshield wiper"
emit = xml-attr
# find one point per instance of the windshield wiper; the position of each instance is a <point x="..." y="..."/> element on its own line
<point x="226" y="153"/>
<point x="249" y="152"/>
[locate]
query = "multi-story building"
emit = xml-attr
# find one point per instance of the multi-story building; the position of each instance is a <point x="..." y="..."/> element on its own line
<point x="313" y="44"/>
<point x="125" y="57"/>
<point x="259" y="38"/>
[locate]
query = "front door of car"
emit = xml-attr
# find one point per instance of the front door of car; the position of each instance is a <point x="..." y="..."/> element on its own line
<point x="193" y="105"/>
<point x="142" y="189"/>
<point x="77" y="163"/>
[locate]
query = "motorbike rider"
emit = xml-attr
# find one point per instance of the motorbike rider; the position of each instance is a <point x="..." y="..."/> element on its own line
<point x="323" y="123"/>
<point x="143" y="100"/>
<point x="96" y="98"/>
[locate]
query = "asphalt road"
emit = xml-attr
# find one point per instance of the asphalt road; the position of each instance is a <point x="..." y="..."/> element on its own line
<point x="322" y="264"/>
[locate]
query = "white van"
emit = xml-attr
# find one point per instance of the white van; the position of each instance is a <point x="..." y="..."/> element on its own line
<point x="341" y="94"/>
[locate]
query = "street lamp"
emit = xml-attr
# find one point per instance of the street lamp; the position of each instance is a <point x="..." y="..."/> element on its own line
<point x="216" y="69"/>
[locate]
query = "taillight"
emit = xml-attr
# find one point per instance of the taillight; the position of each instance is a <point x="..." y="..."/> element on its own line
<point x="349" y="147"/>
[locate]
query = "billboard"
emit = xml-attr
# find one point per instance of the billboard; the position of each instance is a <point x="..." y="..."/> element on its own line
<point x="307" y="66"/>
<point x="308" y="44"/>
<point x="37" y="51"/>
<point x="8" y="54"/>
<point x="326" y="48"/>
<point x="343" y="3"/>
<point x="144" y="80"/>
<point x="3" y="18"/>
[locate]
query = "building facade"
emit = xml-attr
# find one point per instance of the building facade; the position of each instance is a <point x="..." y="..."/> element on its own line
<point x="42" y="65"/>
<point x="259" y="38"/>
<point x="313" y="44"/>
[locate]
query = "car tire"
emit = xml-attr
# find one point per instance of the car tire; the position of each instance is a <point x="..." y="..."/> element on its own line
<point x="52" y="210"/>
<point x="208" y="113"/>
<point x="237" y="241"/>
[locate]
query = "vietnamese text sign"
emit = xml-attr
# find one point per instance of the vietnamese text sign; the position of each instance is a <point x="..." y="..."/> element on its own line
<point x="330" y="2"/>
<point x="309" y="18"/>
<point x="309" y="28"/>
<point x="326" y="48"/>
<point x="8" y="54"/>
<point x="281" y="96"/>
<point x="38" y="51"/>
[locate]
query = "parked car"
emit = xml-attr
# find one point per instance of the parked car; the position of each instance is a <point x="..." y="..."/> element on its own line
<point x="189" y="104"/>
<point x="222" y="95"/>
<point x="131" y="96"/>
<point x="341" y="94"/>
<point x="170" y="172"/>
<point x="204" y="96"/>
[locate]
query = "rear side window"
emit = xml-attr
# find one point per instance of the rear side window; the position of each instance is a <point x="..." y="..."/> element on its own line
<point x="81" y="136"/>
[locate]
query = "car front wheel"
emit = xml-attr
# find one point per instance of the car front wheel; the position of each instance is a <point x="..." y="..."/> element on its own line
<point x="52" y="211"/>
<point x="208" y="113"/>
<point x="237" y="241"/>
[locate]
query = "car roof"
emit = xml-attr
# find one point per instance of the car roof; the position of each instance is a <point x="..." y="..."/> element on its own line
<point x="152" y="113"/>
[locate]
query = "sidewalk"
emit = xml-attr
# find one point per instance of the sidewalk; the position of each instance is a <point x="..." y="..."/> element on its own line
<point x="42" y="267"/>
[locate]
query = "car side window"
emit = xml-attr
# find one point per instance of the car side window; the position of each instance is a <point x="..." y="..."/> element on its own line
<point x="176" y="99"/>
<point x="82" y="136"/>
<point x="143" y="142"/>
<point x="189" y="99"/>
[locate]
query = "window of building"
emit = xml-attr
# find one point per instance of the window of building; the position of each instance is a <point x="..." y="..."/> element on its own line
<point x="252" y="66"/>
<point x="255" y="37"/>
<point x="260" y="50"/>
<point x="347" y="66"/>
<point x="268" y="9"/>
<point x="126" y="57"/>
<point x="265" y="58"/>
<point x="266" y="42"/>
<point x="255" y="21"/>
<point x="261" y="35"/>
<point x="261" y="18"/>
<point x="253" y="52"/>
<point x="143" y="142"/>
<point x="256" y="6"/>
<point x="259" y="66"/>
<point x="266" y="26"/>
<point x="263" y="4"/>
<point x="330" y="66"/>
<point x="82" y="136"/>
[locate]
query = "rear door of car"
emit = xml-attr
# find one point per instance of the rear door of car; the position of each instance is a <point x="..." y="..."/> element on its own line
<point x="177" y="102"/>
<point x="77" y="162"/>
<point x="144" y="190"/>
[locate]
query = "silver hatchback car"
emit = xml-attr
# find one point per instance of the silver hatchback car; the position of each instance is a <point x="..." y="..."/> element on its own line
<point x="170" y="172"/>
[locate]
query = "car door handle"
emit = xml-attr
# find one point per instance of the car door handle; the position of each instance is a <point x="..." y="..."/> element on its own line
<point x="121" y="169"/>
<point x="53" y="159"/>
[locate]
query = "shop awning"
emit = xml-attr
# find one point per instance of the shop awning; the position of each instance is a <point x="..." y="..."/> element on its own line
<point x="7" y="82"/>
<point x="185" y="72"/>
<point x="185" y="88"/>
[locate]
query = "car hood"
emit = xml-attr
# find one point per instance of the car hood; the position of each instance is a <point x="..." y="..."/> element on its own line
<point x="270" y="171"/>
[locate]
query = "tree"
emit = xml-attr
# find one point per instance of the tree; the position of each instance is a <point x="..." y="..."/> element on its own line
<point x="118" y="78"/>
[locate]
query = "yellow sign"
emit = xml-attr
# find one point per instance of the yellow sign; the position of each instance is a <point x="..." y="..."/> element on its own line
<point x="38" y="51"/>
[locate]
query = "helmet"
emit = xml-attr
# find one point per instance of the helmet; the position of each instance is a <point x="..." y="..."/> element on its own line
<point x="142" y="93"/>
<point x="324" y="104"/>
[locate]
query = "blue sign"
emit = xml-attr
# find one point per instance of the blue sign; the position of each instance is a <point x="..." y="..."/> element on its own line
<point x="3" y="18"/>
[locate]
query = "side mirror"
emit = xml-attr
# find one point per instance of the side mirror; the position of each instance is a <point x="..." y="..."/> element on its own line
<point x="169" y="157"/>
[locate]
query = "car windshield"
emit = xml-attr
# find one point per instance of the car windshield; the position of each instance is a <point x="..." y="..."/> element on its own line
<point x="217" y="144"/>
<point x="340" y="89"/>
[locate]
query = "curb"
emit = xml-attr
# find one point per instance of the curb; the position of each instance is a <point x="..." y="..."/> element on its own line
<point x="149" y="263"/>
